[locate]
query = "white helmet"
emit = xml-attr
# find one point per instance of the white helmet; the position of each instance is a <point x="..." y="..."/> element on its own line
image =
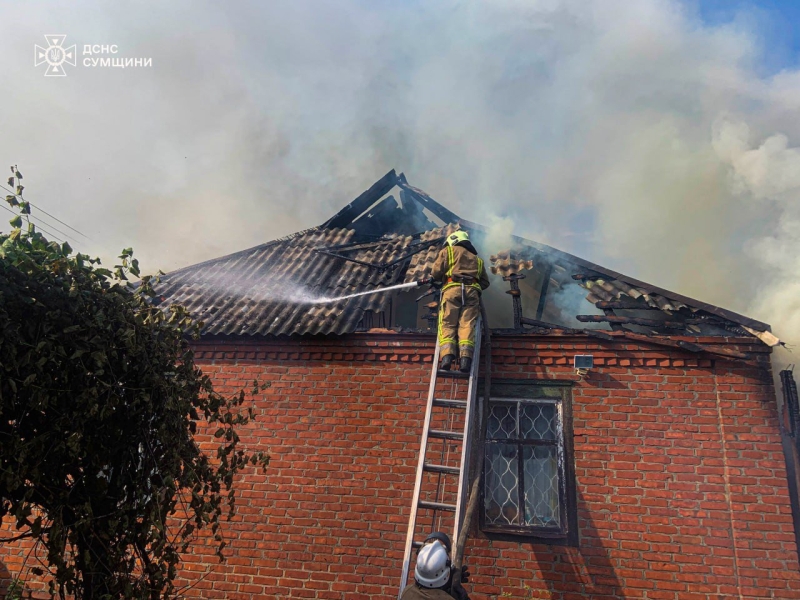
<point x="433" y="565"/>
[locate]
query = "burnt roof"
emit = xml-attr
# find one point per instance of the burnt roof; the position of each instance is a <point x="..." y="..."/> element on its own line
<point x="391" y="234"/>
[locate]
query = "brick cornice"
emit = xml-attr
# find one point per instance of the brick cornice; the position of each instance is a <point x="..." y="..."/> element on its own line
<point x="525" y="349"/>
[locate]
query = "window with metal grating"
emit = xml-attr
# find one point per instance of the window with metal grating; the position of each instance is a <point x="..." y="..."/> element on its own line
<point x="528" y="475"/>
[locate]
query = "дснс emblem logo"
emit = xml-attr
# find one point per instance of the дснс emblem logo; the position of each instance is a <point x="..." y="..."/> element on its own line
<point x="55" y="55"/>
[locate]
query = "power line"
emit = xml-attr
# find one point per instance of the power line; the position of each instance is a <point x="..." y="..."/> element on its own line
<point x="48" y="214"/>
<point x="53" y="227"/>
<point x="50" y="233"/>
<point x="56" y="229"/>
<point x="39" y="225"/>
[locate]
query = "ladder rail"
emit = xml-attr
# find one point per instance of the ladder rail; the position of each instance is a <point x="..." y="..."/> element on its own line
<point x="465" y="445"/>
<point x="412" y="520"/>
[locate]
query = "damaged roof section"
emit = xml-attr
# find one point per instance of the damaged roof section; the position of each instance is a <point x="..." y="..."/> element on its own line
<point x="392" y="233"/>
<point x="617" y="302"/>
<point x="391" y="207"/>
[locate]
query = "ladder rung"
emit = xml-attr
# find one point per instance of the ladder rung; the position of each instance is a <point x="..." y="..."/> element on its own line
<point x="437" y="506"/>
<point x="441" y="469"/>
<point x="445" y="435"/>
<point x="443" y="402"/>
<point x="453" y="374"/>
<point x="416" y="544"/>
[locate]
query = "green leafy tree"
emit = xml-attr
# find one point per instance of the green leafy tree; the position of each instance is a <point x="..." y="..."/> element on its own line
<point x="99" y="403"/>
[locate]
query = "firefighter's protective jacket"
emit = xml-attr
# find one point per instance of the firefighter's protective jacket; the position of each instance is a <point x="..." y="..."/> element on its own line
<point x="456" y="263"/>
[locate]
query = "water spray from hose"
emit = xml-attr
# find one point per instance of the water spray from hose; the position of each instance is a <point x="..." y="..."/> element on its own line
<point x="399" y="286"/>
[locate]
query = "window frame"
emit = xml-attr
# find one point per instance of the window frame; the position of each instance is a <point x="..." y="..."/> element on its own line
<point x="567" y="533"/>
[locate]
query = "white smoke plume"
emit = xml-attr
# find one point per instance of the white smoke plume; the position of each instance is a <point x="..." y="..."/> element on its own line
<point x="632" y="134"/>
<point x="769" y="172"/>
<point x="499" y="234"/>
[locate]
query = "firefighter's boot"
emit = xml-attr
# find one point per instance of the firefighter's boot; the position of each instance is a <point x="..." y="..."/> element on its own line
<point x="447" y="362"/>
<point x="466" y="364"/>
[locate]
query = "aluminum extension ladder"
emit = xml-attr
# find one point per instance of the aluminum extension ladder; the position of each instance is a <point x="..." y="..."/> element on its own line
<point x="439" y="410"/>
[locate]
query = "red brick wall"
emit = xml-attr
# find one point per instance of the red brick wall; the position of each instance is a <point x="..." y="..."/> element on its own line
<point x="681" y="480"/>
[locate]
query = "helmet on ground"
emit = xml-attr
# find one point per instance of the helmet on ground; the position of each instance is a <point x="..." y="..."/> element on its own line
<point x="456" y="237"/>
<point x="433" y="565"/>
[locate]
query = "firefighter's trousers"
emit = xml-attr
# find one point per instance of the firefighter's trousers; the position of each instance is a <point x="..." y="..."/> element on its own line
<point x="457" y="321"/>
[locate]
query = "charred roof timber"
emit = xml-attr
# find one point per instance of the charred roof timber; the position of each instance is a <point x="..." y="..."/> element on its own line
<point x="516" y="299"/>
<point x="392" y="234"/>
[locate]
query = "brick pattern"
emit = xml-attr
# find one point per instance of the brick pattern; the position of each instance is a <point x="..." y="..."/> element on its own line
<point x="681" y="492"/>
<point x="681" y="482"/>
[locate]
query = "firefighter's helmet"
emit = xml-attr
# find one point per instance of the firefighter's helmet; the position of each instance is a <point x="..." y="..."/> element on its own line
<point x="456" y="237"/>
<point x="433" y="565"/>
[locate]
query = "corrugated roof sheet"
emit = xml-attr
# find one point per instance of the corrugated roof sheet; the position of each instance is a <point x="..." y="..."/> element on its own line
<point x="265" y="290"/>
<point x="422" y="263"/>
<point x="509" y="263"/>
<point x="601" y="289"/>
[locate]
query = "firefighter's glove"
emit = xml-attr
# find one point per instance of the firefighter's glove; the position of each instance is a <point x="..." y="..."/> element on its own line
<point x="464" y="574"/>
<point x="430" y="281"/>
<point x="458" y="592"/>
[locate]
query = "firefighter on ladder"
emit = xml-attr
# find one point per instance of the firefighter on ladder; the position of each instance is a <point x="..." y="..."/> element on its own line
<point x="463" y="277"/>
<point x="433" y="574"/>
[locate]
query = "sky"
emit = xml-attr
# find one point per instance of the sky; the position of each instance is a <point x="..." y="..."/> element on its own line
<point x="776" y="23"/>
<point x="659" y="138"/>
